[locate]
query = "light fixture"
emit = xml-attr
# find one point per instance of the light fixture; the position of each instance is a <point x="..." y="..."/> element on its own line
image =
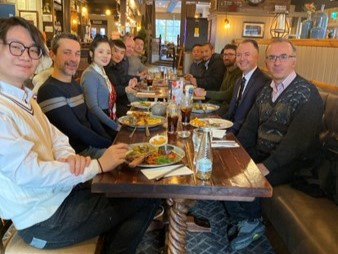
<point x="226" y="23"/>
<point x="280" y="27"/>
<point x="108" y="12"/>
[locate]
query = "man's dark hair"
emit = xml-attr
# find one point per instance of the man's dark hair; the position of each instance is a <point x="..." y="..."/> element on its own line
<point x="230" y="46"/>
<point x="55" y="42"/>
<point x="95" y="43"/>
<point x="196" y="45"/>
<point x="138" y="38"/>
<point x="8" y="23"/>
<point x="117" y="43"/>
<point x="253" y="42"/>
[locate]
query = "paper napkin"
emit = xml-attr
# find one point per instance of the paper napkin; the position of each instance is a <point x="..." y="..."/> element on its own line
<point x="152" y="173"/>
<point x="224" y="143"/>
<point x="218" y="133"/>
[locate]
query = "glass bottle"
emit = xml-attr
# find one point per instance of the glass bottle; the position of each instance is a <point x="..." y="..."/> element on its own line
<point x="204" y="157"/>
<point x="306" y="27"/>
<point x="320" y="20"/>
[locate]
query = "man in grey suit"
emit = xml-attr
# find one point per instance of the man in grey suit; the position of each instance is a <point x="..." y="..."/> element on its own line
<point x="248" y="86"/>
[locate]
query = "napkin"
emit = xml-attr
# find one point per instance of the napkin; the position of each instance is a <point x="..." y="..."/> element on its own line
<point x="218" y="133"/>
<point x="224" y="143"/>
<point x="152" y="173"/>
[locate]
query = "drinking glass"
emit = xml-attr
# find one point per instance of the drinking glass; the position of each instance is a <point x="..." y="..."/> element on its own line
<point x="186" y="108"/>
<point x="196" y="140"/>
<point x="172" y="117"/>
<point x="149" y="79"/>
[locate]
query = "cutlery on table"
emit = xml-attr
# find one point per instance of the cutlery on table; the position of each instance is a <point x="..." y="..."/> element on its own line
<point x="133" y="121"/>
<point x="147" y="128"/>
<point x="160" y="177"/>
<point x="137" y="161"/>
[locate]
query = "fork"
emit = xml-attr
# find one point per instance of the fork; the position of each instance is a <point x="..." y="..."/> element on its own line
<point x="147" y="129"/>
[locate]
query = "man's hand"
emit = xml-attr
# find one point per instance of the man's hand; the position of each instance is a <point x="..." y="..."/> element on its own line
<point x="193" y="81"/>
<point x="263" y="169"/>
<point x="132" y="83"/>
<point x="77" y="163"/>
<point x="200" y="92"/>
<point x="113" y="156"/>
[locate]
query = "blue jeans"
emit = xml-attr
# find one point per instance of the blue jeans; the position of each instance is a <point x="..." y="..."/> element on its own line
<point x="84" y="215"/>
<point x="238" y="211"/>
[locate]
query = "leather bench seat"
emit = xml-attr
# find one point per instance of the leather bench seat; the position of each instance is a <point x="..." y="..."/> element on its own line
<point x="305" y="224"/>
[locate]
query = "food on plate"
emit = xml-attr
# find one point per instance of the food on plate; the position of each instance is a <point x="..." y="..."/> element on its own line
<point x="145" y="103"/>
<point x="142" y="118"/>
<point x="199" y="106"/>
<point x="198" y="122"/>
<point x="158" y="140"/>
<point x="153" y="155"/>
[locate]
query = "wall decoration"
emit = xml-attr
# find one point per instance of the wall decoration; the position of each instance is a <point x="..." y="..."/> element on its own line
<point x="253" y="29"/>
<point x="31" y="16"/>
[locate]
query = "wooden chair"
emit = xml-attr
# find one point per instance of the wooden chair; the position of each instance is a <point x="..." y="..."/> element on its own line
<point x="12" y="243"/>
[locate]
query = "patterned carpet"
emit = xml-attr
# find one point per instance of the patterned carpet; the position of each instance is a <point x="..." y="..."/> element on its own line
<point x="205" y="243"/>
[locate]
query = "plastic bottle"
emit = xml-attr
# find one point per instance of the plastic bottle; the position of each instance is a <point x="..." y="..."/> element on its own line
<point x="320" y="20"/>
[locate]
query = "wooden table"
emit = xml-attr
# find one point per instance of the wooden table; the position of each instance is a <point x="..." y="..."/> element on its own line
<point x="235" y="177"/>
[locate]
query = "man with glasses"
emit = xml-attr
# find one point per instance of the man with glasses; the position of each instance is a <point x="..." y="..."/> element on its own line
<point x="232" y="73"/>
<point x="41" y="176"/>
<point x="247" y="86"/>
<point x="281" y="133"/>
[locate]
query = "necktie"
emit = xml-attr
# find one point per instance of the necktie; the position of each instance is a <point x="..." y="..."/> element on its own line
<point x="239" y="96"/>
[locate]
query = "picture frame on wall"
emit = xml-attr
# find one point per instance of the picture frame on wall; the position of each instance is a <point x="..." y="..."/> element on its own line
<point x="253" y="29"/>
<point x="31" y="16"/>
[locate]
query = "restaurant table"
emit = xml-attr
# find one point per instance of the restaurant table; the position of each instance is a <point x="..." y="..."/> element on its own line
<point x="234" y="177"/>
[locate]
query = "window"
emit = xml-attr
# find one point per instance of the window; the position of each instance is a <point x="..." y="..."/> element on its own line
<point x="168" y="29"/>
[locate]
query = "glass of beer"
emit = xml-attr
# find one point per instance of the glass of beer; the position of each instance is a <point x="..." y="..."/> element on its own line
<point x="149" y="79"/>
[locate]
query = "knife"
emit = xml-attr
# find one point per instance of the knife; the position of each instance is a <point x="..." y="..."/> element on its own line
<point x="160" y="177"/>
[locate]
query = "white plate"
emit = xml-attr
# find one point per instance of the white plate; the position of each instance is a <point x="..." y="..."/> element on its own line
<point x="206" y="108"/>
<point x="213" y="123"/>
<point x="142" y="104"/>
<point x="179" y="152"/>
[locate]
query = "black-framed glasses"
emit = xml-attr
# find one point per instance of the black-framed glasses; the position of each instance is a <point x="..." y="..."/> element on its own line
<point x="228" y="54"/>
<point x="282" y="57"/>
<point x="17" y="49"/>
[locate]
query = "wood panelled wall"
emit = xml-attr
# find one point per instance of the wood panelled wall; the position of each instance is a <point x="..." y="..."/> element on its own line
<point x="313" y="63"/>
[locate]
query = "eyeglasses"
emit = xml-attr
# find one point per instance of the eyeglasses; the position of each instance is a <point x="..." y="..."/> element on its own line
<point x="17" y="49"/>
<point x="228" y="54"/>
<point x="282" y="58"/>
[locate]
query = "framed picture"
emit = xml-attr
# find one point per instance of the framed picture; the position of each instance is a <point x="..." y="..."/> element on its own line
<point x="253" y="29"/>
<point x="31" y="16"/>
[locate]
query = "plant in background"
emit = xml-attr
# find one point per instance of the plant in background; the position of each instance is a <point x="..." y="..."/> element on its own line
<point x="310" y="8"/>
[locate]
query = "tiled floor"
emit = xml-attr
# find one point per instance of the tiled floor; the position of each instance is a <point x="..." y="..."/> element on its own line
<point x="214" y="242"/>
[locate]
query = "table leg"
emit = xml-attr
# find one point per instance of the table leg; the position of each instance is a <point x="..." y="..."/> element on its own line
<point x="177" y="225"/>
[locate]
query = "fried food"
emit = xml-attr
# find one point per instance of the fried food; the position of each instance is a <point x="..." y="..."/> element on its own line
<point x="198" y="122"/>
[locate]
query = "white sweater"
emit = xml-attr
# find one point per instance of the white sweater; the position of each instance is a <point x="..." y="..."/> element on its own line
<point x="33" y="182"/>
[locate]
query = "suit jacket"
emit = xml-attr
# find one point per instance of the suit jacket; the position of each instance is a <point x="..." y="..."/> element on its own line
<point x="252" y="89"/>
<point x="213" y="76"/>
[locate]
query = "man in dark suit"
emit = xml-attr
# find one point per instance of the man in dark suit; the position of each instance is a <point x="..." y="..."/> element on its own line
<point x="248" y="86"/>
<point x="214" y="70"/>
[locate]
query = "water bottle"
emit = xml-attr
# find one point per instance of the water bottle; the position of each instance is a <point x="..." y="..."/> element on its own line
<point x="204" y="157"/>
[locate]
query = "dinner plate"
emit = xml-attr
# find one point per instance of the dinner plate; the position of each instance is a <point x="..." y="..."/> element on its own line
<point x="212" y="123"/>
<point x="142" y="104"/>
<point x="152" y="121"/>
<point x="204" y="108"/>
<point x="168" y="147"/>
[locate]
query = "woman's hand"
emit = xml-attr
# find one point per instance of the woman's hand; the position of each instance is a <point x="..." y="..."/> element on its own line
<point x="77" y="163"/>
<point x="113" y="156"/>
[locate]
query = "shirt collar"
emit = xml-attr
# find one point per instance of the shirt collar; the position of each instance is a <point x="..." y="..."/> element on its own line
<point x="23" y="95"/>
<point x="285" y="83"/>
<point x="249" y="74"/>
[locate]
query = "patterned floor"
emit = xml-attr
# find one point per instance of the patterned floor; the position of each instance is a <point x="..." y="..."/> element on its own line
<point x="214" y="242"/>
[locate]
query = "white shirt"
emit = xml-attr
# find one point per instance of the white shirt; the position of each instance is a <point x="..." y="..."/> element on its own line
<point x="247" y="77"/>
<point x="33" y="182"/>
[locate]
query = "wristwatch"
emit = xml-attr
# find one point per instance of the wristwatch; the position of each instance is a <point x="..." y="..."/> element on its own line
<point x="254" y="2"/>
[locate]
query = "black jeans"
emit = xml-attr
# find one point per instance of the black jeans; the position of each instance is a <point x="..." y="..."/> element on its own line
<point x="84" y="215"/>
